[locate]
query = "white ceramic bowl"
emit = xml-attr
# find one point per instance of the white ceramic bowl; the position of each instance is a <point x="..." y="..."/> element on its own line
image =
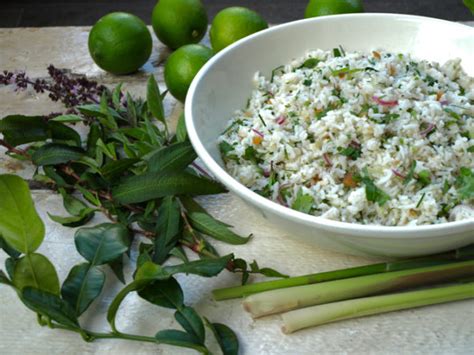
<point x="224" y="84"/>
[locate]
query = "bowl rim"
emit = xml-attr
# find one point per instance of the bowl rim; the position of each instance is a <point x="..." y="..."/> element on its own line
<point x="242" y="191"/>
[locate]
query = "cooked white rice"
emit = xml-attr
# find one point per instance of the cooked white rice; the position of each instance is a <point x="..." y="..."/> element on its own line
<point x="377" y="138"/>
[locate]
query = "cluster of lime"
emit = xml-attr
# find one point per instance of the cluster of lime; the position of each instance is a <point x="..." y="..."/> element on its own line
<point x="120" y="43"/>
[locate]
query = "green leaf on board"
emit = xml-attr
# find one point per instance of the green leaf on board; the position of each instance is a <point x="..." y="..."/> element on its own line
<point x="103" y="243"/>
<point x="115" y="168"/>
<point x="191" y="322"/>
<point x="67" y="119"/>
<point x="8" y="249"/>
<point x="4" y="279"/>
<point x="155" y="100"/>
<point x="167" y="227"/>
<point x="35" y="270"/>
<point x="225" y="337"/>
<point x="49" y="305"/>
<point x="20" y="225"/>
<point x="163" y="293"/>
<point x="117" y="268"/>
<point x="60" y="133"/>
<point x="154" y="185"/>
<point x="470" y="5"/>
<point x="80" y="212"/>
<point x="210" y="226"/>
<point x="19" y="129"/>
<point x="82" y="286"/>
<point x="173" y="158"/>
<point x="181" y="132"/>
<point x="53" y="154"/>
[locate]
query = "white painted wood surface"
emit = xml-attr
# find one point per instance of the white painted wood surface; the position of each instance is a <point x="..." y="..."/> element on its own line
<point x="447" y="328"/>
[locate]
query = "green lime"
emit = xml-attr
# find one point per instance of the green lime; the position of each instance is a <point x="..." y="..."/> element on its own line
<point x="232" y="24"/>
<point x="182" y="66"/>
<point x="120" y="43"/>
<point x="179" y="22"/>
<point x="332" y="7"/>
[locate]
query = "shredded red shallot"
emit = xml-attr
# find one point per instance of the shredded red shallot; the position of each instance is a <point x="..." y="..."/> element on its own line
<point x="385" y="102"/>
<point x="280" y="120"/>
<point x="258" y="132"/>
<point x="327" y="160"/>
<point x="427" y="130"/>
<point x="397" y="173"/>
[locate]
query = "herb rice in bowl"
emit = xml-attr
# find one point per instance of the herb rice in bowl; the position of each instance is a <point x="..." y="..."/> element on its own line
<point x="373" y="138"/>
<point x="369" y="145"/>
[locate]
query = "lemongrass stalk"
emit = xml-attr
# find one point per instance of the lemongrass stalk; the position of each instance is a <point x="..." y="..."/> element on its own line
<point x="465" y="253"/>
<point x="285" y="299"/>
<point x="332" y="312"/>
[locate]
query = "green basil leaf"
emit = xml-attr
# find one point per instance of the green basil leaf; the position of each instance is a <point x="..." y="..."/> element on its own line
<point x="35" y="270"/>
<point x="50" y="305"/>
<point x="67" y="119"/>
<point x="20" y="225"/>
<point x="303" y="202"/>
<point x="53" y="154"/>
<point x="167" y="227"/>
<point x="103" y="243"/>
<point x="163" y="293"/>
<point x="179" y="338"/>
<point x="116" y="96"/>
<point x="95" y="132"/>
<point x="204" y="267"/>
<point x="181" y="132"/>
<point x="465" y="183"/>
<point x="115" y="168"/>
<point x="310" y="63"/>
<point x="225" y="336"/>
<point x="210" y="226"/>
<point x="61" y="133"/>
<point x="175" y="157"/>
<point x="82" y="286"/>
<point x="8" y="249"/>
<point x="150" y="186"/>
<point x="155" y="101"/>
<point x="191" y="323"/>
<point x="19" y="129"/>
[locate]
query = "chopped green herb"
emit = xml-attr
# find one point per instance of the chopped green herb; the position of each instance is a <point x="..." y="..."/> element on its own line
<point x="225" y="148"/>
<point x="250" y="154"/>
<point x="389" y="117"/>
<point x="430" y="80"/>
<point x="303" y="202"/>
<point x="351" y="152"/>
<point x="343" y="52"/>
<point x="462" y="91"/>
<point x="444" y="212"/>
<point x="307" y="82"/>
<point x="446" y="187"/>
<point x="276" y="71"/>
<point x="424" y="177"/>
<point x="471" y="149"/>
<point x="421" y="199"/>
<point x="465" y="183"/>
<point x="411" y="173"/>
<point x="452" y="113"/>
<point x="336" y="52"/>
<point x="262" y="120"/>
<point x="372" y="192"/>
<point x="309" y="63"/>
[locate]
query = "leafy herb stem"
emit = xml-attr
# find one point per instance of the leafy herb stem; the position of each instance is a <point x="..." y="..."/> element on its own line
<point x="90" y="335"/>
<point x="12" y="149"/>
